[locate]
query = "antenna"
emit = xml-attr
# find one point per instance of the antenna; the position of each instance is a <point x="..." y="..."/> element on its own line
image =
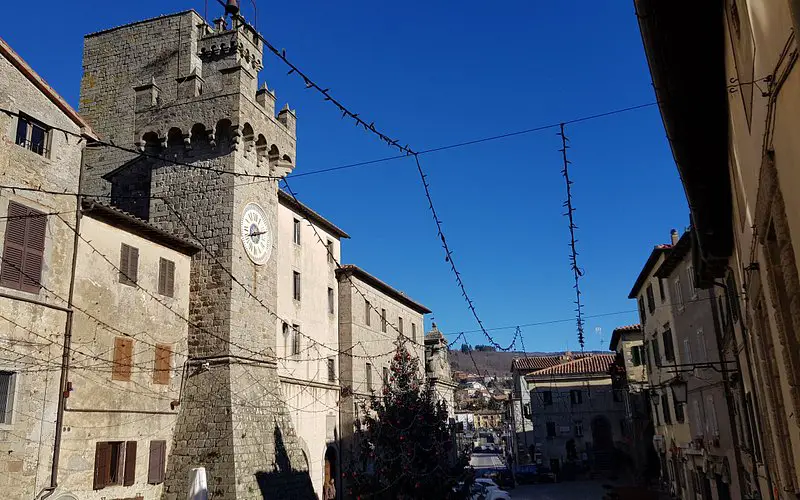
<point x="599" y="331"/>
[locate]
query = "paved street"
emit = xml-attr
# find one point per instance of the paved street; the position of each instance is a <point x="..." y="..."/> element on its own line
<point x="486" y="460"/>
<point x="574" y="490"/>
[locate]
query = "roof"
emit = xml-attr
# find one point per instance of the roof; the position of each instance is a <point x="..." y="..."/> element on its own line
<point x="621" y="330"/>
<point x="658" y="250"/>
<point x="353" y="270"/>
<point x="533" y="363"/>
<point x="684" y="42"/>
<point x="45" y="89"/>
<point x="676" y="256"/>
<point x="592" y="364"/>
<point x="131" y="223"/>
<point x="294" y="204"/>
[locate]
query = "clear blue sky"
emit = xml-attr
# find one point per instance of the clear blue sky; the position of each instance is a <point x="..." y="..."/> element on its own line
<point x="433" y="73"/>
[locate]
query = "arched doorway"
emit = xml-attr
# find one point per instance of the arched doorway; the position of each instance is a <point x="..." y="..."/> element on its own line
<point x="331" y="473"/>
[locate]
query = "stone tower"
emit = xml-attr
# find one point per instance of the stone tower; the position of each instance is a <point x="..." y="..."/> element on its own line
<point x="179" y="89"/>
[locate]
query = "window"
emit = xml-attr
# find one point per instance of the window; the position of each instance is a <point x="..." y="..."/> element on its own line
<point x="575" y="396"/>
<point x="687" y="351"/>
<point x="33" y="135"/>
<point x="156" y="469"/>
<point x="7" y="384"/>
<point x="329" y="247"/>
<point x="383" y="320"/>
<point x="400" y="325"/>
<point x="128" y="264"/>
<point x="696" y="414"/>
<point x="163" y="364"/>
<point x="330" y="301"/>
<point x="295" y="340"/>
<point x="656" y="352"/>
<point x="551" y="429"/>
<point x="114" y="463"/>
<point x="331" y="370"/>
<point x="547" y="398"/>
<point x="669" y="349"/>
<point x="679" y="416"/>
<point x="651" y="300"/>
<point x="647" y="360"/>
<point x="367" y="307"/>
<point x="123" y="359"/>
<point x="642" y="314"/>
<point x="690" y="280"/>
<point x="665" y="408"/>
<point x="711" y="417"/>
<point x="701" y="345"/>
<point x="166" y="277"/>
<point x="296" y="231"/>
<point x="369" y="376"/>
<point x="23" y="251"/>
<point x="414" y="332"/>
<point x="385" y="377"/>
<point x="296" y="285"/>
<point x="636" y="355"/>
<point x="661" y="293"/>
<point x="678" y="294"/>
<point x="578" y="428"/>
<point x="753" y="427"/>
<point x="733" y="300"/>
<point x="286" y="339"/>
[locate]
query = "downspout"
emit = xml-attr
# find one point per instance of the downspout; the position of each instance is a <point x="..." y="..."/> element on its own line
<point x="753" y="391"/>
<point x="64" y="381"/>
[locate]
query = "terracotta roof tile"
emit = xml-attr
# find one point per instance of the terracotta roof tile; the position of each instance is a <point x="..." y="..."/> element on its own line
<point x="587" y="365"/>
<point x="540" y="362"/>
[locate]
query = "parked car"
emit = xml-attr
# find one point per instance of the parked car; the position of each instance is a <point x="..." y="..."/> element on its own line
<point x="486" y="489"/>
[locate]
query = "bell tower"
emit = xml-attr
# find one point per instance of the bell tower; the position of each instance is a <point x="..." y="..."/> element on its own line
<point x="185" y="93"/>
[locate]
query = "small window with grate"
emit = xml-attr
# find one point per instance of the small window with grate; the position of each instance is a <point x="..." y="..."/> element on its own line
<point x="33" y="135"/>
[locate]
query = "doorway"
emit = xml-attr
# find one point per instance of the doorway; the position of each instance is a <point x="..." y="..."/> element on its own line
<point x="331" y="473"/>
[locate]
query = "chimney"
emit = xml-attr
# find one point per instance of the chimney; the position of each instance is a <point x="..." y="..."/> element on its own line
<point x="674" y="235"/>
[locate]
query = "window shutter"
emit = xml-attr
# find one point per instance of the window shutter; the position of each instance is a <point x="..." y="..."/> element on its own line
<point x="130" y="463"/>
<point x="133" y="264"/>
<point x="102" y="461"/>
<point x="23" y="249"/>
<point x="123" y="359"/>
<point x="156" y="466"/>
<point x="170" y="278"/>
<point x="128" y="264"/>
<point x="166" y="277"/>
<point x="163" y="364"/>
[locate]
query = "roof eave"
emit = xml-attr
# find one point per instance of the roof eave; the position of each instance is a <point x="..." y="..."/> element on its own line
<point x="645" y="272"/>
<point x="298" y="206"/>
<point x="684" y="41"/>
<point x="353" y="270"/>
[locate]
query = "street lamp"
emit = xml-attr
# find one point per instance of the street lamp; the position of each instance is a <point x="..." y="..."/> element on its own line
<point x="679" y="390"/>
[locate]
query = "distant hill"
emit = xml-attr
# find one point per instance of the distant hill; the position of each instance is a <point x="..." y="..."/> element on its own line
<point x="497" y="364"/>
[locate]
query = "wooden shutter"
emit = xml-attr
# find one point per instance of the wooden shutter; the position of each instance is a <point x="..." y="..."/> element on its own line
<point x="166" y="277"/>
<point x="130" y="464"/>
<point x="128" y="264"/>
<point x="102" y="465"/>
<point x="23" y="250"/>
<point x="156" y="466"/>
<point x="163" y="364"/>
<point x="123" y="359"/>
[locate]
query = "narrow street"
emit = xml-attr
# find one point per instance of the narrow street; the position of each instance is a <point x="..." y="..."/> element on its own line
<point x="575" y="490"/>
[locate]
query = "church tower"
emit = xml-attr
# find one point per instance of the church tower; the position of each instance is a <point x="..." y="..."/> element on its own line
<point x="185" y="95"/>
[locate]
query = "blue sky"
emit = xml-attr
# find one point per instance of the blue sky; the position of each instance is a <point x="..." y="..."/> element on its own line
<point x="434" y="73"/>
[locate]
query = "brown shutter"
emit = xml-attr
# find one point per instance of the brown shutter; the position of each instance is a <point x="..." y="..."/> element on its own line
<point x="123" y="359"/>
<point x="170" y="283"/>
<point x="156" y="466"/>
<point x="166" y="277"/>
<point x="128" y="264"/>
<point x="102" y="462"/>
<point x="133" y="264"/>
<point x="163" y="364"/>
<point x="34" y="251"/>
<point x="130" y="463"/>
<point x="23" y="249"/>
<point x="162" y="276"/>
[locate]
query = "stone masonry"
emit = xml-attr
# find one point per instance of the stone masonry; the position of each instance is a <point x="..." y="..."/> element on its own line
<point x="181" y="90"/>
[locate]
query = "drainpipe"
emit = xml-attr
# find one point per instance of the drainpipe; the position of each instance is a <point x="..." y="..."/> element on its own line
<point x="753" y="392"/>
<point x="726" y="383"/>
<point x="64" y="381"/>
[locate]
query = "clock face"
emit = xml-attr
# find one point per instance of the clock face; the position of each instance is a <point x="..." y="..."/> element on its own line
<point x="256" y="234"/>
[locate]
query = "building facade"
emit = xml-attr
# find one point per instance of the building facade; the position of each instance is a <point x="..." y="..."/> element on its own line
<point x="437" y="369"/>
<point x="309" y="247"/>
<point x="728" y="89"/>
<point x="654" y="297"/>
<point x="41" y="144"/>
<point x="372" y="318"/>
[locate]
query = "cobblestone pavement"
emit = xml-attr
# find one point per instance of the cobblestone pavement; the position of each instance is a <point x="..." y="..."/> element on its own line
<point x="573" y="490"/>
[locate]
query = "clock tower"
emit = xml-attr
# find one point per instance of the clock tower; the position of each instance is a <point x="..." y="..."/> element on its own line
<point x="185" y="94"/>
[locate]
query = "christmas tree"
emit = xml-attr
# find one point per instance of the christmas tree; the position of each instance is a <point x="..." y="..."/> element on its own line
<point x="405" y="447"/>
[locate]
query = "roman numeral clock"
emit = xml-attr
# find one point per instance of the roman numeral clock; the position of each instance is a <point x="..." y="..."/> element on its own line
<point x="256" y="234"/>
